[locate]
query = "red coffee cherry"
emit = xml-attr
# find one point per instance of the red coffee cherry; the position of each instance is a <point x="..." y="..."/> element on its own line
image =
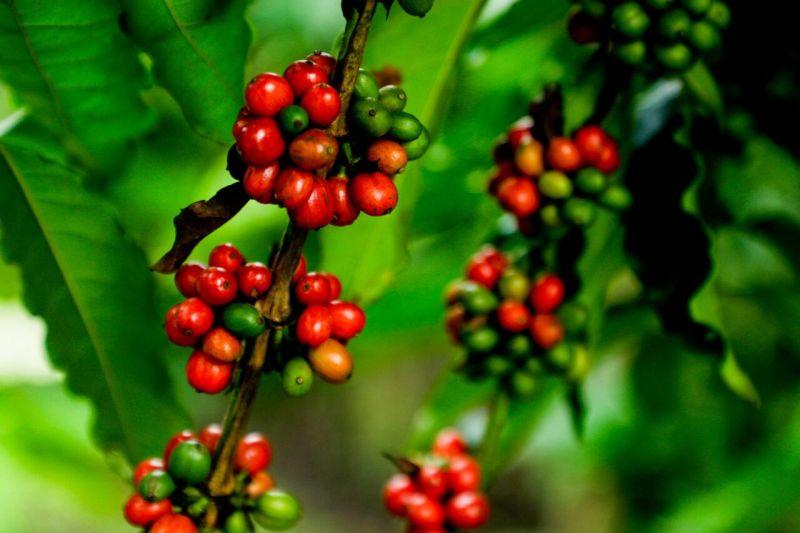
<point x="336" y="285"/>
<point x="314" y="326"/>
<point x="313" y="289"/>
<point x="241" y="120"/>
<point x="432" y="481"/>
<point x="186" y="278"/>
<point x="608" y="161"/>
<point x="468" y="510"/>
<point x="222" y="345"/>
<point x="424" y="512"/>
<point x="345" y="211"/>
<point x="176" y="439"/>
<point x="513" y="316"/>
<point x="493" y="256"/>
<point x="293" y="187"/>
<point x="348" y="319"/>
<point x="226" y="256"/>
<point x="590" y="141"/>
<point x="260" y="482"/>
<point x="259" y="183"/>
<point x="142" y="513"/>
<point x="174" y="333"/>
<point x="331" y="361"/>
<point x="374" y="193"/>
<point x="267" y="94"/>
<point x="176" y="523"/>
<point x="396" y="492"/>
<point x="520" y="132"/>
<point x="518" y="195"/>
<point x="322" y="103"/>
<point x="546" y="330"/>
<point x="389" y="156"/>
<point x="314" y="149"/>
<point x="145" y="467"/>
<point x="449" y="443"/>
<point x="317" y="212"/>
<point x="301" y="269"/>
<point x="260" y="142"/>
<point x="563" y="155"/>
<point x="483" y="272"/>
<point x="217" y="286"/>
<point x="253" y="453"/>
<point x="547" y="293"/>
<point x="210" y="436"/>
<point x="463" y="473"/>
<point x="207" y="374"/>
<point x="302" y="75"/>
<point x="323" y="60"/>
<point x="194" y="317"/>
<point x="254" y="279"/>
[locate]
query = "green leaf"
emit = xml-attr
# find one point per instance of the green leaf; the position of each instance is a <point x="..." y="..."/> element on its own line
<point x="91" y="285"/>
<point x="199" y="50"/>
<point x="737" y="379"/>
<point x="704" y="89"/>
<point x="70" y="64"/>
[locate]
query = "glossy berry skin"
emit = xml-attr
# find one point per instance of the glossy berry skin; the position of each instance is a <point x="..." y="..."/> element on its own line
<point x="314" y="325"/>
<point x="529" y="158"/>
<point x="226" y="256"/>
<point x="345" y="211"/>
<point x="243" y="320"/>
<point x="590" y="141"/>
<point x="176" y="523"/>
<point x="260" y="482"/>
<point x="303" y="75"/>
<point x="322" y="103"/>
<point x="176" y="439"/>
<point x="546" y="330"/>
<point x="468" y="510"/>
<point x="331" y="361"/>
<point x="608" y="161"/>
<point x="267" y="94"/>
<point x="374" y="193"/>
<point x="547" y="293"/>
<point x="336" y="285"/>
<point x="563" y="155"/>
<point x="494" y="257"/>
<point x="424" y="512"/>
<point x="432" y="481"/>
<point x="313" y="289"/>
<point x="518" y="195"/>
<point x="463" y="473"/>
<point x="449" y="443"/>
<point x="301" y="269"/>
<point x="253" y="453"/>
<point x="260" y="142"/>
<point x="254" y="279"/>
<point x="141" y="513"/>
<point x="190" y="462"/>
<point x="175" y="334"/>
<point x="389" y="156"/>
<point x="396" y="491"/>
<point x="314" y="149"/>
<point x="318" y="211"/>
<point x="193" y="317"/>
<point x="348" y="319"/>
<point x="481" y="271"/>
<point x="210" y="436"/>
<point x="242" y="119"/>
<point x="207" y="374"/>
<point x="145" y="467"/>
<point x="293" y="187"/>
<point x="513" y="316"/>
<point x="323" y="60"/>
<point x="520" y="132"/>
<point x="217" y="286"/>
<point x="186" y="278"/>
<point x="222" y="345"/>
<point x="259" y="183"/>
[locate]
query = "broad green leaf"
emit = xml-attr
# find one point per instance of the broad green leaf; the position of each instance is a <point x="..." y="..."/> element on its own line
<point x="199" y="48"/>
<point x="703" y="87"/>
<point x="71" y="66"/>
<point x="91" y="285"/>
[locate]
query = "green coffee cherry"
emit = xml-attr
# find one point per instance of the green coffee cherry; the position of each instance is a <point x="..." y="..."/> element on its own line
<point x="697" y="7"/>
<point x="630" y="19"/>
<point x="675" y="24"/>
<point x="675" y="57"/>
<point x="534" y="366"/>
<point x="393" y="98"/>
<point x="632" y="53"/>
<point x="417" y="8"/>
<point x="238" y="523"/>
<point x="293" y="119"/>
<point x="659" y="4"/>
<point x="190" y="462"/>
<point x="555" y="184"/>
<point x="523" y="384"/>
<point x="519" y="346"/>
<point x="591" y="181"/>
<point x="593" y="8"/>
<point x="244" y="320"/>
<point x="496" y="365"/>
<point x="371" y="117"/>
<point x="704" y="36"/>
<point x="550" y="216"/>
<point x="156" y="486"/>
<point x="366" y="86"/>
<point x="579" y="211"/>
<point x="574" y="317"/>
<point x="405" y="127"/>
<point x="297" y="377"/>
<point x="617" y="197"/>
<point x="580" y="364"/>
<point x="514" y="285"/>
<point x="277" y="510"/>
<point x="560" y="356"/>
<point x="417" y="148"/>
<point x="719" y="15"/>
<point x="477" y="299"/>
<point x="482" y="340"/>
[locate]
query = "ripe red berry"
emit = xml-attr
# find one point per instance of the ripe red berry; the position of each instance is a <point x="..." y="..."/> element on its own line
<point x="374" y="193"/>
<point x="483" y="272"/>
<point x="186" y="278"/>
<point x="145" y="467"/>
<point x="301" y="269"/>
<point x="217" y="286"/>
<point x="336" y="285"/>
<point x="267" y="94"/>
<point x="608" y="161"/>
<point x="547" y="293"/>
<point x="513" y="316"/>
<point x="176" y="523"/>
<point x="322" y="103"/>
<point x="210" y="436"/>
<point x="463" y="473"/>
<point x="323" y="60"/>
<point x="348" y="319"/>
<point x="448" y="443"/>
<point x="260" y="142"/>
<point x="259" y="183"/>
<point x="222" y="345"/>
<point x="563" y="155"/>
<point x="520" y="132"/>
<point x="546" y="330"/>
<point x="314" y="149"/>
<point x="432" y="481"/>
<point x="254" y="279"/>
<point x="317" y="212"/>
<point x="194" y="317"/>
<point x="293" y="187"/>
<point x="493" y="256"/>
<point x="142" y="513"/>
<point x="260" y="482"/>
<point x="345" y="211"/>
<point x="313" y="289"/>
<point x="424" y="512"/>
<point x="314" y="325"/>
<point x="226" y="256"/>
<point x="590" y="141"/>
<point x="468" y="510"/>
<point x="241" y="120"/>
<point x="176" y="439"/>
<point x="253" y="453"/>
<point x="518" y="195"/>
<point x="302" y="75"/>
<point x="207" y="374"/>
<point x="389" y="156"/>
<point x="175" y="334"/>
<point x="396" y="491"/>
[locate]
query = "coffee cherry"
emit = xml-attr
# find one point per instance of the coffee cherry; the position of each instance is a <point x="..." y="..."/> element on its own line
<point x="175" y="334"/>
<point x="210" y="436"/>
<point x="243" y="320"/>
<point x="449" y="443"/>
<point x="156" y="486"/>
<point x="260" y="142"/>
<point x="322" y="103"/>
<point x="697" y="7"/>
<point x="323" y="60"/>
<point x="302" y="75"/>
<point x="366" y="86"/>
<point x="396" y="491"/>
<point x="519" y="134"/>
<point x="313" y="289"/>
<point x="609" y="158"/>
<point x="371" y="117"/>
<point x="145" y="467"/>
<point x="704" y="36"/>
<point x="297" y="377"/>
<point x="563" y="154"/>
<point x="190" y="462"/>
<point x="529" y="158"/>
<point x="405" y="127"/>
<point x="331" y="361"/>
<point x="513" y="316"/>
<point x="519" y="346"/>
<point x="238" y="522"/>
<point x="579" y="211"/>
<point x="477" y="299"/>
<point x="675" y="24"/>
<point x="259" y="183"/>
<point x="217" y="286"/>
<point x="547" y="293"/>
<point x="293" y="187"/>
<point x="417" y="8"/>
<point x="719" y="15"/>
<point x="677" y="56"/>
<point x="314" y="149"/>
<point x="632" y="53"/>
<point x="267" y="94"/>
<point x="546" y="330"/>
<point x="454" y="319"/>
<point x="482" y="340"/>
<point x="514" y="285"/>
<point x="555" y="184"/>
<point x="590" y="141"/>
<point x="314" y="325"/>
<point x="374" y="193"/>
<point x="417" y="148"/>
<point x="277" y="511"/>
<point x="423" y="511"/>
<point x="176" y="523"/>
<point x="253" y="453"/>
<point x="207" y="374"/>
<point x="630" y="19"/>
<point x="235" y="165"/>
<point x="590" y="181"/>
<point x="467" y="510"/>
<point x="222" y="345"/>
<point x="617" y="197"/>
<point x="496" y="366"/>
<point x="242" y="118"/>
<point x="194" y="317"/>
<point x="301" y="269"/>
<point x="336" y="285"/>
<point x="390" y="157"/>
<point x="176" y="439"/>
<point x="254" y="279"/>
<point x="260" y="482"/>
<point x="432" y="481"/>
<point x="393" y="98"/>
<point x="348" y="319"/>
<point x="186" y="278"/>
<point x="293" y="120"/>
<point x="141" y="513"/>
<point x="226" y="256"/>
<point x="318" y="211"/>
<point x="494" y="257"/>
<point x="463" y="473"/>
<point x="345" y="211"/>
<point x="519" y="196"/>
<point x="483" y="272"/>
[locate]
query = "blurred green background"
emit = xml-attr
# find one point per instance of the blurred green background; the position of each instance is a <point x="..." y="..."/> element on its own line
<point x="667" y="446"/>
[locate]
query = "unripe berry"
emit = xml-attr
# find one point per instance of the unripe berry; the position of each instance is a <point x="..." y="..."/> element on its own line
<point x="145" y="467"/>
<point x="374" y="193"/>
<point x="260" y="142"/>
<point x="176" y="439"/>
<point x="547" y="293"/>
<point x="314" y="149"/>
<point x="318" y="211"/>
<point x="217" y="286"/>
<point x="302" y="75"/>
<point x="513" y="316"/>
<point x="259" y="183"/>
<point x="226" y="256"/>
<point x="518" y="195"/>
<point x="190" y="462"/>
<point x="254" y="279"/>
<point x="293" y="187"/>
<point x="221" y="344"/>
<point x="267" y="94"/>
<point x="563" y="155"/>
<point x="348" y="319"/>
<point x="390" y="157"/>
<point x="323" y="60"/>
<point x="331" y="361"/>
<point x="313" y="289"/>
<point x="345" y="211"/>
<point x="395" y="492"/>
<point x="546" y="330"/>
<point x="322" y="103"/>
<point x="207" y="374"/>
<point x="467" y="510"/>
<point x="210" y="436"/>
<point x="253" y="453"/>
<point x="186" y="278"/>
<point x="314" y="325"/>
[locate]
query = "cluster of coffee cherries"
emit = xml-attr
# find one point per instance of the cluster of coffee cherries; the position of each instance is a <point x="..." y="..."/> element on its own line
<point x="315" y="343"/>
<point x="670" y="34"/>
<point x="285" y="155"/>
<point x="218" y="314"/>
<point x="439" y="492"/>
<point x="170" y="492"/>
<point x="556" y="182"/>
<point x="512" y="326"/>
